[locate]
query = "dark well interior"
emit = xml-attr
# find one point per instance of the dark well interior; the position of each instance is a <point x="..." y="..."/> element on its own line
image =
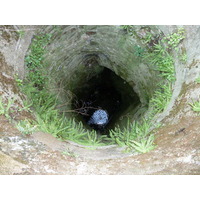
<point x="105" y="91"/>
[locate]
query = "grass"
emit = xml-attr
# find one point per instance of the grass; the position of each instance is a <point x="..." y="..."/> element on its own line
<point x="21" y="33"/>
<point x="128" y="28"/>
<point x="197" y="80"/>
<point x="70" y="153"/>
<point x="183" y="58"/>
<point x="18" y="80"/>
<point x="136" y="136"/>
<point x="5" y="108"/>
<point x="158" y="55"/>
<point x="162" y="61"/>
<point x="144" y="145"/>
<point x="174" y="39"/>
<point x="48" y="118"/>
<point x="138" y="51"/>
<point x="26" y="127"/>
<point x="195" y="106"/>
<point x="34" y="60"/>
<point x="161" y="97"/>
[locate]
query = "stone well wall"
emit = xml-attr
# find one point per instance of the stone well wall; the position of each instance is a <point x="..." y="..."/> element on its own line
<point x="76" y="54"/>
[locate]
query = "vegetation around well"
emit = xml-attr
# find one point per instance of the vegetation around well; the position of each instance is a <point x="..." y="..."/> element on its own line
<point x="195" y="106"/>
<point x="156" y="52"/>
<point x="136" y="136"/>
<point x="47" y="118"/>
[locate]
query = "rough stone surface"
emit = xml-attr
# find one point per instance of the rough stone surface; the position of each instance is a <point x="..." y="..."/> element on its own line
<point x="177" y="152"/>
<point x="13" y="48"/>
<point x="9" y="166"/>
<point x="178" y="140"/>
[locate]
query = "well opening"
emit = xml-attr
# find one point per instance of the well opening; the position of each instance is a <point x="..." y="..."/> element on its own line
<point x="103" y="73"/>
<point x="110" y="71"/>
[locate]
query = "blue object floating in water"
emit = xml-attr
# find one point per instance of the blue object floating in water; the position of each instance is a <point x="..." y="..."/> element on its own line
<point x="99" y="117"/>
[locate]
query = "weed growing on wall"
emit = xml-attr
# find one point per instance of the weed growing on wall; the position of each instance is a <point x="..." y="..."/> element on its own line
<point x="162" y="61"/>
<point x="26" y="127"/>
<point x="157" y="54"/>
<point x="197" y="80"/>
<point x="135" y="136"/>
<point x="18" y="80"/>
<point x="183" y="58"/>
<point x="34" y="60"/>
<point x="129" y="29"/>
<point x="161" y="97"/>
<point x="195" y="106"/>
<point x="174" y="39"/>
<point x="6" y="108"/>
<point x="138" y="51"/>
<point x="21" y="33"/>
